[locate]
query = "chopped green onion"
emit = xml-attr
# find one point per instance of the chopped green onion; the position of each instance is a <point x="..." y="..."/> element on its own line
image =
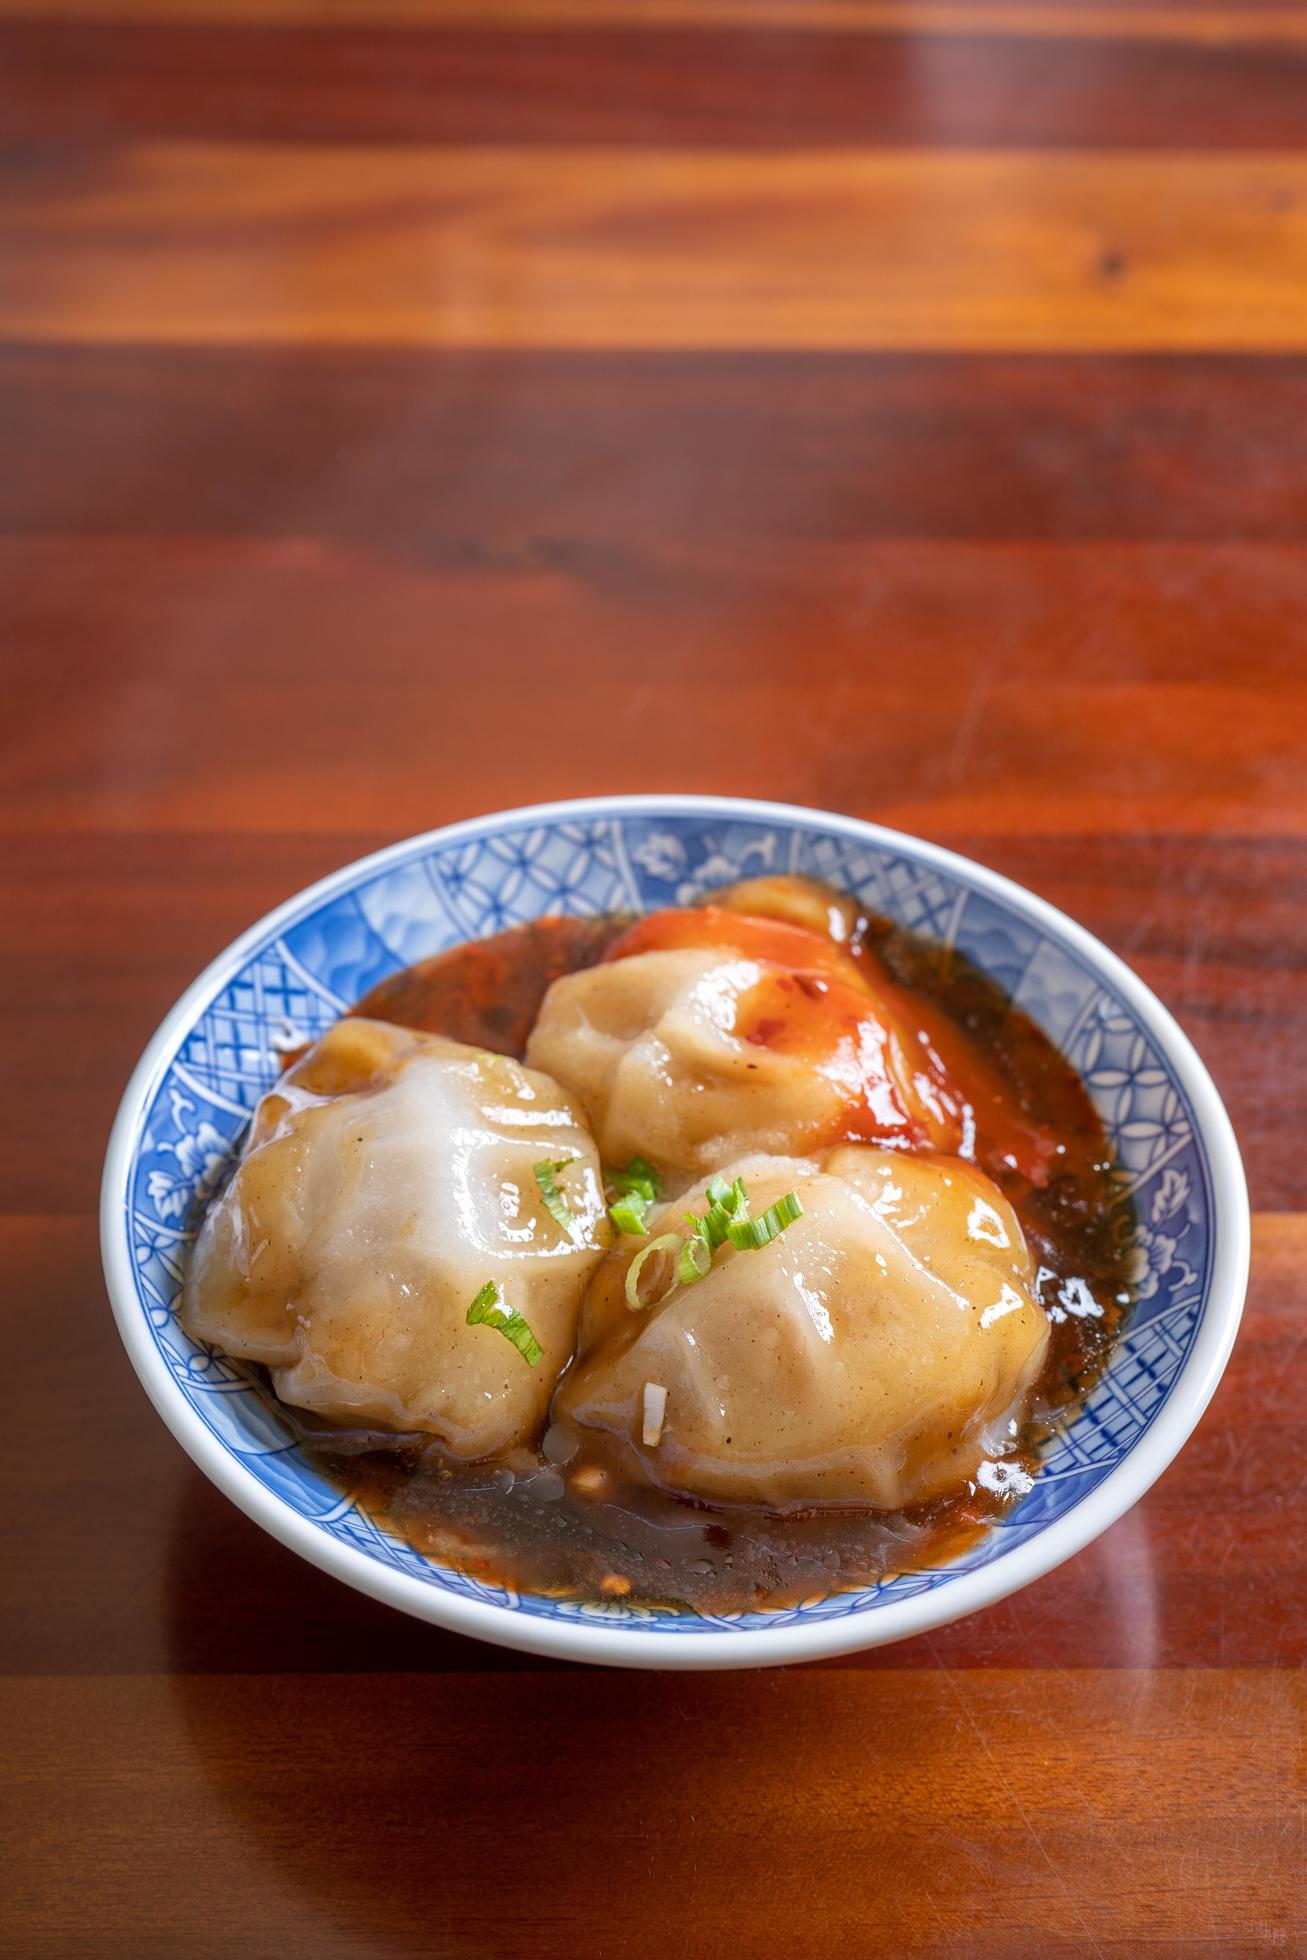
<point x="712" y="1227"/>
<point x="546" y="1176"/>
<point x="666" y="1242"/>
<point x="751" y="1234"/>
<point x="488" y="1310"/>
<point x="639" y="1177"/>
<point x="695" y="1259"/>
<point x="725" y="1202"/>
<point x="636" y="1188"/>
<point x="629" y="1214"/>
<point x="727" y="1217"/>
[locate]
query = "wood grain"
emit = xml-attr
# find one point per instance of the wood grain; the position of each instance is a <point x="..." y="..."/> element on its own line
<point x="452" y="457"/>
<point x="948" y="687"/>
<point x="87" y="83"/>
<point x="610" y="248"/>
<point x="1189" y="22"/>
<point x="1189" y="1769"/>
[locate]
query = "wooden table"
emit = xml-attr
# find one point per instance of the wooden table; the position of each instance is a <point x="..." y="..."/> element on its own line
<point x="413" y="408"/>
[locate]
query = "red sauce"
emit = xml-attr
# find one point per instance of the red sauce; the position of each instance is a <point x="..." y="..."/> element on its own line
<point x="910" y="1076"/>
<point x="773" y="940"/>
<point x="536" y="1527"/>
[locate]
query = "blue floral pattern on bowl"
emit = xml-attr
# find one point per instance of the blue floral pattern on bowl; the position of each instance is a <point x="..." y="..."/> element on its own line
<point x="436" y="892"/>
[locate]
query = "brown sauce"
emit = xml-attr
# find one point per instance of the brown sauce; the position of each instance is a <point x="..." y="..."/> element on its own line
<point x="562" y="1520"/>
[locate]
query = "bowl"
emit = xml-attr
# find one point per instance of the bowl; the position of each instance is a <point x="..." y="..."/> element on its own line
<point x="289" y="976"/>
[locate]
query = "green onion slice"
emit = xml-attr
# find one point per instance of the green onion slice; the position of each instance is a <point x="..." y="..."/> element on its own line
<point x="489" y="1310"/>
<point x="547" y="1178"/>
<point x="695" y="1259"/>
<point x="629" y="1214"/>
<point x="665" y="1242"/>
<point x="712" y="1227"/>
<point x="751" y="1234"/>
<point x="639" y="1177"/>
<point x="727" y="1217"/>
<point x="725" y="1202"/>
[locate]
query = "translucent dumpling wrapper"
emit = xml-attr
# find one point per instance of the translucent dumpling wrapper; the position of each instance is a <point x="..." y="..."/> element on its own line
<point x="387" y="1179"/>
<point x="690" y="1055"/>
<point x="874" y="1354"/>
<point x="706" y="1034"/>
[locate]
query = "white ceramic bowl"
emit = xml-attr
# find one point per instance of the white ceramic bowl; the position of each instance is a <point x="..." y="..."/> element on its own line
<point x="289" y="976"/>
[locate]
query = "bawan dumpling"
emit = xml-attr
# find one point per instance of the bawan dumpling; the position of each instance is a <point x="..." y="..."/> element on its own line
<point x="872" y="1354"/>
<point x="650" y="1047"/>
<point x="706" y="1033"/>
<point x="711" y="1034"/>
<point x="387" y="1178"/>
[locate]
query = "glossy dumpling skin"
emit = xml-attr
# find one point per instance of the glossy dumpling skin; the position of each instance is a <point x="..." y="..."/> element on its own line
<point x="706" y="1032"/>
<point x="649" y="1045"/>
<point x="387" y="1178"/>
<point x="692" y="1054"/>
<point x="873" y="1354"/>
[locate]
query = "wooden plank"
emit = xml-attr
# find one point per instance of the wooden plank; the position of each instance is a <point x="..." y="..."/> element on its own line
<point x="120" y="1558"/>
<point x="597" y="248"/>
<point x="435" y="455"/>
<point x="947" y="688"/>
<point x="1201" y="22"/>
<point x="78" y="82"/>
<point x="1109" y="1813"/>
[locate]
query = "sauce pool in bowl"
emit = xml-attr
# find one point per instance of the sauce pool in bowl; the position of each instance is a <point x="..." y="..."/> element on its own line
<point x="564" y="1520"/>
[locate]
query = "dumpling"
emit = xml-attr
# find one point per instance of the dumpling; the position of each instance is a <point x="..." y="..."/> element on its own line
<point x="387" y="1178"/>
<point x="873" y="1354"/>
<point x="706" y="1034"/>
<point x="796" y="901"/>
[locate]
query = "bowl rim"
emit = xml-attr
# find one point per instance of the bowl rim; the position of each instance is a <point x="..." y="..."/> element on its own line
<point x="624" y="1644"/>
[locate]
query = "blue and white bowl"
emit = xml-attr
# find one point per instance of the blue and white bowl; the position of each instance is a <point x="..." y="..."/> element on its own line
<point x="288" y="977"/>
